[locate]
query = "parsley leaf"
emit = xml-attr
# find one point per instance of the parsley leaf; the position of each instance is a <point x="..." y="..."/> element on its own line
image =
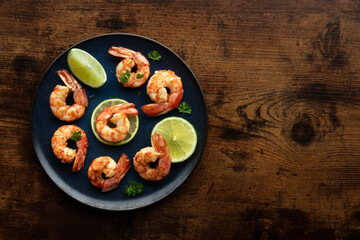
<point x="184" y="108"/>
<point x="76" y="136"/>
<point x="154" y="55"/>
<point x="140" y="75"/>
<point x="134" y="188"/>
<point x="125" y="77"/>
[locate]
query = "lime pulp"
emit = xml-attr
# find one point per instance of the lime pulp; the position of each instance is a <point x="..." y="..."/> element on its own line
<point x="86" y="68"/>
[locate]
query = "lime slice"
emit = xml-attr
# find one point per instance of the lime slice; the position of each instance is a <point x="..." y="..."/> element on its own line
<point x="86" y="68"/>
<point x="180" y="136"/>
<point x="134" y="122"/>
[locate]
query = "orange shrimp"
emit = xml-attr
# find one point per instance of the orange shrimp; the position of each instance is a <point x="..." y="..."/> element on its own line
<point x="132" y="58"/>
<point x="156" y="89"/>
<point x="148" y="155"/>
<point x="116" y="114"/>
<point x="106" y="166"/>
<point x="66" y="154"/>
<point x="58" y="97"/>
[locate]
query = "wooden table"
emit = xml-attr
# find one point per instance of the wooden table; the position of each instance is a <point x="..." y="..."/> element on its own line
<point x="282" y="85"/>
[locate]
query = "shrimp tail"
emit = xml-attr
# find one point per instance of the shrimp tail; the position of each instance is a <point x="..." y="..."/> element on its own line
<point x="127" y="108"/>
<point x="156" y="109"/>
<point x="109" y="111"/>
<point x="79" y="160"/>
<point x="80" y="97"/>
<point x="175" y="98"/>
<point x="141" y="60"/>
<point x="122" y="167"/>
<point x="69" y="80"/>
<point x="160" y="145"/>
<point x="165" y="159"/>
<point x="121" y="52"/>
<point x="82" y="146"/>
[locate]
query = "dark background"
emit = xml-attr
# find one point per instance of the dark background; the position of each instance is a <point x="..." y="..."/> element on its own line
<point x="281" y="81"/>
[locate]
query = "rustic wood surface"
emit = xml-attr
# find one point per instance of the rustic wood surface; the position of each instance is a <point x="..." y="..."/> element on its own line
<point x="282" y="85"/>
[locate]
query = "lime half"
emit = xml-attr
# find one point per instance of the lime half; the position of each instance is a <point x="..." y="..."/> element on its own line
<point x="86" y="68"/>
<point x="180" y="136"/>
<point x="134" y="122"/>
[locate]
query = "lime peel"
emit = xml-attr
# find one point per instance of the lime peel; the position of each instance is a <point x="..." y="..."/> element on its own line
<point x="86" y="68"/>
<point x="180" y="136"/>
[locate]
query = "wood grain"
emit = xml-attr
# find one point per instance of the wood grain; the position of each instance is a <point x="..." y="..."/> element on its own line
<point x="281" y="81"/>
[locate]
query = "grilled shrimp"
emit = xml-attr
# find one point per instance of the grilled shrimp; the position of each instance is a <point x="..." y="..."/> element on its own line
<point x="131" y="59"/>
<point x="149" y="155"/>
<point x="58" y="98"/>
<point x="157" y="91"/>
<point x="104" y="173"/>
<point x="117" y="115"/>
<point x="66" y="154"/>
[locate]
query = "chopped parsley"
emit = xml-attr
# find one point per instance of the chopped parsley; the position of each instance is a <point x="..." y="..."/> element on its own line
<point x="125" y="77"/>
<point x="184" y="108"/>
<point x="140" y="75"/>
<point x="133" y="188"/>
<point x="154" y="55"/>
<point x="76" y="136"/>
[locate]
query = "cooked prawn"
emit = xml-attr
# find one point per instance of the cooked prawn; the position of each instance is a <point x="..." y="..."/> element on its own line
<point x="148" y="155"/>
<point x="58" y="98"/>
<point x="117" y="115"/>
<point x="66" y="154"/>
<point x="104" y="173"/>
<point x="132" y="58"/>
<point x="157" y="91"/>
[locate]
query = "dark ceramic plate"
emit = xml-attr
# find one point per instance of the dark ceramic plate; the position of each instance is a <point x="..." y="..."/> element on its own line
<point x="44" y="124"/>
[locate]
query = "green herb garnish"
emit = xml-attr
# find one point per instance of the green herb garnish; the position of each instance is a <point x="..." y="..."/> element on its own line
<point x="154" y="55"/>
<point x="184" y="108"/>
<point x="76" y="136"/>
<point x="125" y="77"/>
<point x="134" y="188"/>
<point x="140" y="75"/>
<point x="138" y="93"/>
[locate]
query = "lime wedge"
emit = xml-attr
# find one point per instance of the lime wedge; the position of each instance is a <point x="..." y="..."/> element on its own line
<point x="86" y="68"/>
<point x="134" y="122"/>
<point x="180" y="136"/>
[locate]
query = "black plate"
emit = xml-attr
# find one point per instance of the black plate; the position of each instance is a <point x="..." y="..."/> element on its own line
<point x="44" y="124"/>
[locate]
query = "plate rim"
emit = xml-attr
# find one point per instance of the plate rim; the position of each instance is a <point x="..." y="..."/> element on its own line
<point x="66" y="190"/>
